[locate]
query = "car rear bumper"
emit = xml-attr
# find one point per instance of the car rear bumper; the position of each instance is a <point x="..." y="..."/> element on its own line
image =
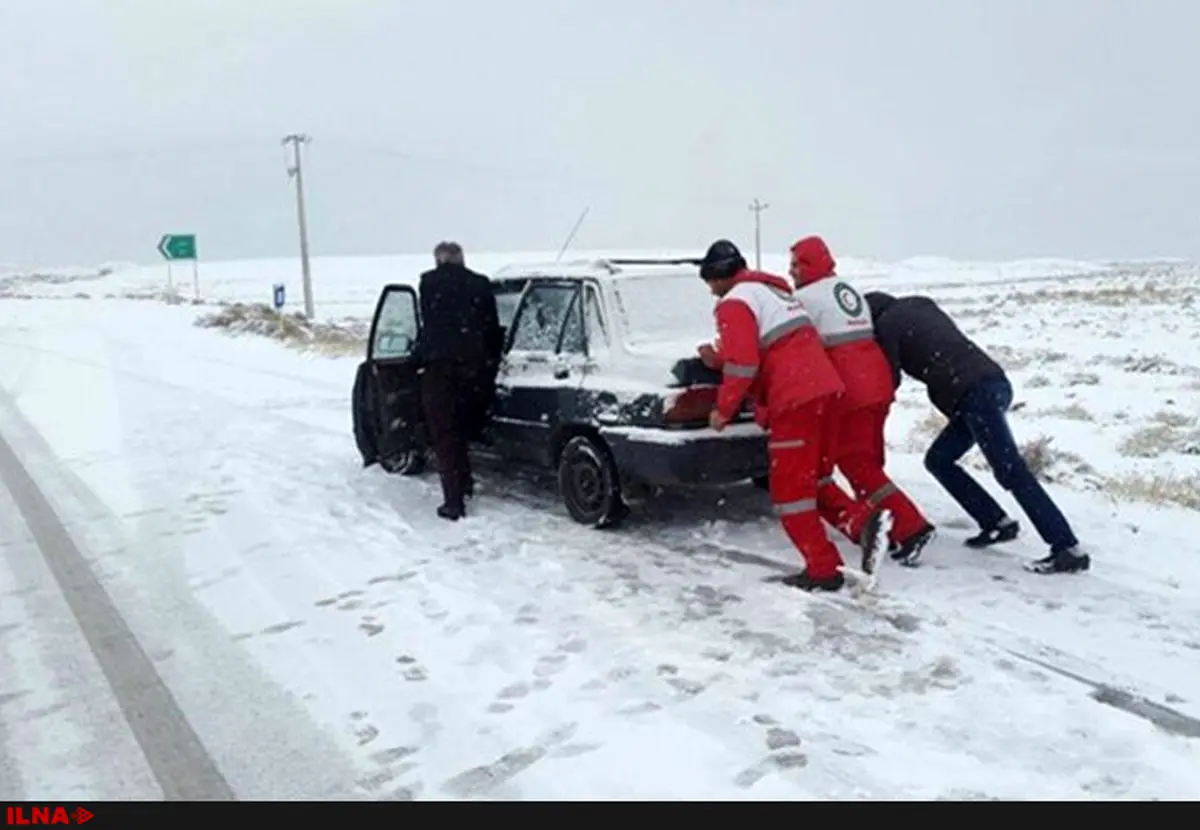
<point x="673" y="458"/>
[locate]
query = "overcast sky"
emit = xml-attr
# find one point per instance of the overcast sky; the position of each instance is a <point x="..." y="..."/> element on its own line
<point x="978" y="129"/>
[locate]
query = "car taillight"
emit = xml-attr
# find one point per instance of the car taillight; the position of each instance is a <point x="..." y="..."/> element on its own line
<point x="690" y="406"/>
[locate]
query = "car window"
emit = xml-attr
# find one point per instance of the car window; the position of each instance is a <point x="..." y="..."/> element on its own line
<point x="572" y="335"/>
<point x="665" y="308"/>
<point x="597" y="330"/>
<point x="508" y="295"/>
<point x="541" y="318"/>
<point x="397" y="326"/>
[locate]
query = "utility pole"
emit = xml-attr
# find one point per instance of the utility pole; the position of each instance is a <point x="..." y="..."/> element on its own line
<point x="758" y="207"/>
<point x="296" y="171"/>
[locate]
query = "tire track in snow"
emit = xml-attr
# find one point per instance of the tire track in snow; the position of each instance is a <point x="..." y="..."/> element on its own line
<point x="178" y="759"/>
<point x="268" y="745"/>
<point x="53" y="693"/>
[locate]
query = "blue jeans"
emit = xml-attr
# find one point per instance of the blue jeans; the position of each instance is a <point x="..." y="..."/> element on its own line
<point x="980" y="419"/>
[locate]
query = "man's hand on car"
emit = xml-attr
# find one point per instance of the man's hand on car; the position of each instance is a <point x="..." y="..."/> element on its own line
<point x="716" y="420"/>
<point x="709" y="356"/>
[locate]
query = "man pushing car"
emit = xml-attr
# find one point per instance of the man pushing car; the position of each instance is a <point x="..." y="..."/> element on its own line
<point x="856" y="428"/>
<point x="771" y="351"/>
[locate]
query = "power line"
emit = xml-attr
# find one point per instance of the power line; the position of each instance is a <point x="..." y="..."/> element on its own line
<point x="515" y="171"/>
<point x="128" y="152"/>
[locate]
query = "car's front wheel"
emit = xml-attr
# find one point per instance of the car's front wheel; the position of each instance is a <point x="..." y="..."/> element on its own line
<point x="589" y="483"/>
<point x="410" y="463"/>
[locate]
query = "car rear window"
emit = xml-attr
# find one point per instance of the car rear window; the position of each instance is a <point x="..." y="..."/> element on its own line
<point x="666" y="308"/>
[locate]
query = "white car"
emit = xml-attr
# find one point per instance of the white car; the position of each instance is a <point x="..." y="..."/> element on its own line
<point x="600" y="381"/>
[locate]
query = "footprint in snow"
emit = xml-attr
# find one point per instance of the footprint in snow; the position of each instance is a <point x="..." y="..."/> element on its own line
<point x="514" y="691"/>
<point x="779" y="738"/>
<point x="408" y="792"/>
<point x="549" y="665"/>
<point x="481" y="779"/>
<point x="413" y="671"/>
<point x="385" y="757"/>
<point x="363" y="731"/>
<point x="399" y="577"/>
<point x="779" y="762"/>
<point x="526" y="615"/>
<point x="573" y="645"/>
<point x="377" y="781"/>
<point x="279" y="628"/>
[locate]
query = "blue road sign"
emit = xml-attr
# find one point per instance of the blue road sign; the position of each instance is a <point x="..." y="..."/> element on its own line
<point x="280" y="295"/>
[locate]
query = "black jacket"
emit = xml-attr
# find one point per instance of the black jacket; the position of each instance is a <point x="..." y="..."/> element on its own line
<point x="921" y="339"/>
<point x="459" y="320"/>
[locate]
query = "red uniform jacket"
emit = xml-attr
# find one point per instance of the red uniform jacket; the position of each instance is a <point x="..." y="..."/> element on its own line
<point x="843" y="319"/>
<point x="769" y="349"/>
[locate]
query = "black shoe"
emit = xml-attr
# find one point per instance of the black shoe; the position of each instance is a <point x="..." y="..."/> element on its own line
<point x="1006" y="531"/>
<point x="909" y="551"/>
<point x="451" y="512"/>
<point x="875" y="539"/>
<point x="1064" y="562"/>
<point x="806" y="583"/>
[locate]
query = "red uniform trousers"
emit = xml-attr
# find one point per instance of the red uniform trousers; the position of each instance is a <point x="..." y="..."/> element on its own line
<point x="836" y="506"/>
<point x="796" y="446"/>
<point x="860" y="455"/>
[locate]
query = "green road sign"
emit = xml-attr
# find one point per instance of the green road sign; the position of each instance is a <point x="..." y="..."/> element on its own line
<point x="177" y="246"/>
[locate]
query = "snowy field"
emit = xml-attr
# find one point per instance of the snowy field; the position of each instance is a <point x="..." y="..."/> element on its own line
<point x="323" y="635"/>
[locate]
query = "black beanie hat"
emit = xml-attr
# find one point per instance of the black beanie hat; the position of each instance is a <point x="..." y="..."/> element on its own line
<point x="722" y="261"/>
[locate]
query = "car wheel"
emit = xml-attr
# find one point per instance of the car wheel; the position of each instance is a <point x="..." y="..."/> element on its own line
<point x="408" y="463"/>
<point x="589" y="483"/>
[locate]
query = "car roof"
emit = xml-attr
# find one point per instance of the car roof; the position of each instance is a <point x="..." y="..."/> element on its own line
<point x="600" y="269"/>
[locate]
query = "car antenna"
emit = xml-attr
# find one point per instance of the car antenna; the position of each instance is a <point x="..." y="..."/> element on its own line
<point x="574" y="231"/>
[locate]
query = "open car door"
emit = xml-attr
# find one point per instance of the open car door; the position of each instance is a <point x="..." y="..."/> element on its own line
<point x="387" y="401"/>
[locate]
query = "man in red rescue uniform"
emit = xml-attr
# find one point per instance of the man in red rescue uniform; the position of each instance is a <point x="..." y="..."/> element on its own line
<point x="856" y="428"/>
<point x="770" y="350"/>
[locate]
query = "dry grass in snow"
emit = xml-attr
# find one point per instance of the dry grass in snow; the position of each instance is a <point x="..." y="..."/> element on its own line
<point x="1115" y="296"/>
<point x="340" y="339"/>
<point x="1109" y="368"/>
<point x="1071" y="411"/>
<point x="1181" y="491"/>
<point x="1055" y="465"/>
<point x="1172" y="432"/>
<point x="1047" y="462"/>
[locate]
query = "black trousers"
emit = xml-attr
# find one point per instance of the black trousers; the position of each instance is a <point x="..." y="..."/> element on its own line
<point x="455" y="396"/>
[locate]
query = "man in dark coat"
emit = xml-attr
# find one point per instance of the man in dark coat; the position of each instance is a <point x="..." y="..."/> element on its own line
<point x="974" y="393"/>
<point x="460" y="347"/>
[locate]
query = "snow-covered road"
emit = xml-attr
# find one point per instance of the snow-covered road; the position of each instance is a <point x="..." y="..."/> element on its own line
<point x="321" y="634"/>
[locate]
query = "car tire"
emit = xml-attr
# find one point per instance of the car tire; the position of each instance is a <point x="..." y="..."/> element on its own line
<point x="410" y="463"/>
<point x="589" y="484"/>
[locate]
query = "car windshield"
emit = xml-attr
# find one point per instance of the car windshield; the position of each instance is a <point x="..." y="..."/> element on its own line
<point x="666" y="308"/>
